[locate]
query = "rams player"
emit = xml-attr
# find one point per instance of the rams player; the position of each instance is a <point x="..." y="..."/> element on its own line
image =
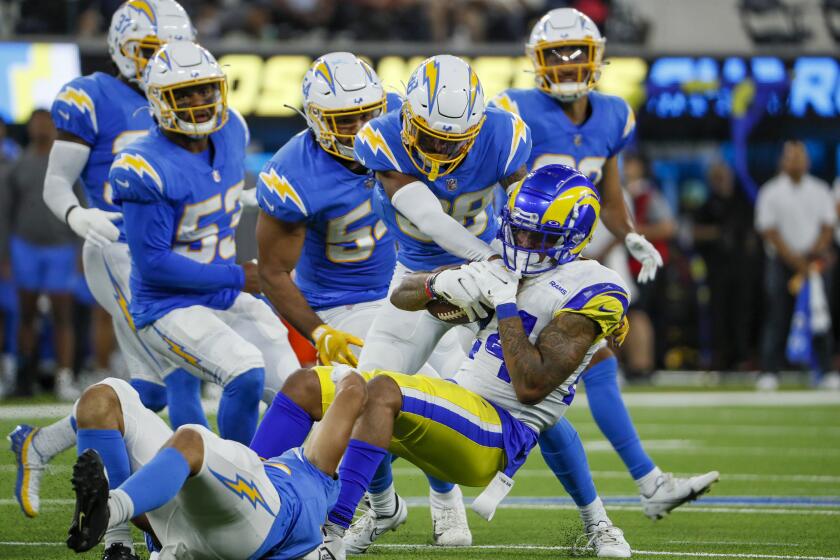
<point x="96" y="116"/>
<point x="201" y="496"/>
<point x="576" y="126"/>
<point x="437" y="162"/>
<point x="520" y="376"/>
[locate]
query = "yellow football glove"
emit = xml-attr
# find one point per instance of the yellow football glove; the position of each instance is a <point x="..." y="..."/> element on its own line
<point x="333" y="346"/>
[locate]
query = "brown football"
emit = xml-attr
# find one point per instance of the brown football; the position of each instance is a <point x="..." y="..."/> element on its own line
<point x="448" y="313"/>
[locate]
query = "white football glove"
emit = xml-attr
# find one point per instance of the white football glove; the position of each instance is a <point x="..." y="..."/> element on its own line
<point x="498" y="283"/>
<point x="94" y="225"/>
<point x="457" y="286"/>
<point x="248" y="198"/>
<point x="644" y="252"/>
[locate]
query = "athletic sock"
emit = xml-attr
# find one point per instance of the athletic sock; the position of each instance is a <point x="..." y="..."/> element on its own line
<point x="610" y="413"/>
<point x="51" y="440"/>
<point x="647" y="483"/>
<point x="239" y="407"/>
<point x="284" y="426"/>
<point x="111" y="448"/>
<point x="152" y="395"/>
<point x="154" y="485"/>
<point x="445" y="499"/>
<point x="593" y="513"/>
<point x="356" y="471"/>
<point x="439" y="486"/>
<point x="184" y="390"/>
<point x="384" y="477"/>
<point x="384" y="503"/>
<point x="563" y="453"/>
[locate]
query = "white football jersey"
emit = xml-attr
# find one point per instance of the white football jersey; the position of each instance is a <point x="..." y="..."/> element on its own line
<point x="582" y="286"/>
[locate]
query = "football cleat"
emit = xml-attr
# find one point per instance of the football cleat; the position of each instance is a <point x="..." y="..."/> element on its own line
<point x="90" y="519"/>
<point x="672" y="492"/>
<point x="370" y="527"/>
<point x="333" y="546"/>
<point x="449" y="525"/>
<point x="30" y="468"/>
<point x="119" y="551"/>
<point x="606" y="540"/>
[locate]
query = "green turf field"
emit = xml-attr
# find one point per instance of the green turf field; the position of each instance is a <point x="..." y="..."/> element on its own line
<point x="779" y="495"/>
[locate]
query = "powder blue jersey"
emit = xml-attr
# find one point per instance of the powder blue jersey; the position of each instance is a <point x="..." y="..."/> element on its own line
<point x="501" y="147"/>
<point x="557" y="140"/>
<point x="108" y="114"/>
<point x="181" y="211"/>
<point x="349" y="254"/>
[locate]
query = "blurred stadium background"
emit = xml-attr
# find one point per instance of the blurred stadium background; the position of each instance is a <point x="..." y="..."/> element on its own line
<point x="717" y="86"/>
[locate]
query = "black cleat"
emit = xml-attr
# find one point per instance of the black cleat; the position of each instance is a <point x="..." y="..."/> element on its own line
<point x="119" y="551"/>
<point x="90" y="520"/>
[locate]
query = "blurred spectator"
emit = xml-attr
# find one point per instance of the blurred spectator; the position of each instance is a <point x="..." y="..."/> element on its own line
<point x="654" y="220"/>
<point x="9" y="149"/>
<point x="795" y="215"/>
<point x="724" y="237"/>
<point x="9" y="152"/>
<point x="43" y="257"/>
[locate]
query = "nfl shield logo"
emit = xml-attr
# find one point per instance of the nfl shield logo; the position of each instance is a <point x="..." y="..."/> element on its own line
<point x="452" y="184"/>
<point x="578" y="139"/>
<point x="216" y="175"/>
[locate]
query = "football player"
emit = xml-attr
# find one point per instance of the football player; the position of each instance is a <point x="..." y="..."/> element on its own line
<point x="202" y="496"/>
<point x="574" y="125"/>
<point x="437" y="162"/>
<point x="520" y="376"/>
<point x="96" y="116"/>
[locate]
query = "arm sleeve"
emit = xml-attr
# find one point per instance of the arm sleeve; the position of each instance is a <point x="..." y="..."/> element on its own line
<point x="422" y="208"/>
<point x="149" y="229"/>
<point x="67" y="160"/>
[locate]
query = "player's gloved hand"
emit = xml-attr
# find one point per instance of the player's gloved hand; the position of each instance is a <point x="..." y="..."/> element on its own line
<point x="498" y="283"/>
<point x="333" y="346"/>
<point x="94" y="225"/>
<point x="248" y="198"/>
<point x="458" y="287"/>
<point x="644" y="252"/>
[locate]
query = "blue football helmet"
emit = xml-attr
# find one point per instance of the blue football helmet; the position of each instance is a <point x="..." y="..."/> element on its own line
<point x="548" y="220"/>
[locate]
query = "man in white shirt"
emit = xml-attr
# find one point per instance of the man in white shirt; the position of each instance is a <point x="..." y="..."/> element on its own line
<point x="795" y="214"/>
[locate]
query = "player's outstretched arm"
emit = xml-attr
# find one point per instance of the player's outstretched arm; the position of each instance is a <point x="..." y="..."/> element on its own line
<point x="280" y="244"/>
<point x="414" y="200"/>
<point x="411" y="294"/>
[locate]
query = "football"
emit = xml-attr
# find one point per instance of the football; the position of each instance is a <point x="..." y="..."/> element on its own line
<point x="449" y="313"/>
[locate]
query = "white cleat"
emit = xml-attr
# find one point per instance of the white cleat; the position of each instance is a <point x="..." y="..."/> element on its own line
<point x="333" y="546"/>
<point x="672" y="492"/>
<point x="606" y="540"/>
<point x="370" y="527"/>
<point x="449" y="525"/>
<point x="30" y="467"/>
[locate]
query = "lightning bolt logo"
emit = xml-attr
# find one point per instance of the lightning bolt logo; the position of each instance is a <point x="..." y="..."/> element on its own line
<point x="122" y="301"/>
<point x="431" y="77"/>
<point x="374" y="140"/>
<point x="519" y="136"/>
<point x="179" y="351"/>
<point x="503" y="101"/>
<point x="245" y="489"/>
<point x="322" y="69"/>
<point x="138" y="165"/>
<point x="144" y="8"/>
<point x="79" y="99"/>
<point x="279" y="185"/>
<point x="475" y="89"/>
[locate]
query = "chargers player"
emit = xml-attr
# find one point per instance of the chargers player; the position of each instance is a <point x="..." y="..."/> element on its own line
<point x="437" y="162"/>
<point x="179" y="191"/>
<point x="205" y="497"/>
<point x="316" y="215"/>
<point x="96" y="116"/>
<point x="520" y="376"/>
<point x="574" y="125"/>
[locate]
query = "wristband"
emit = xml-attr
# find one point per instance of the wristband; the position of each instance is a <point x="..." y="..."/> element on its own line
<point x="506" y="311"/>
<point x="67" y="214"/>
<point x="430" y="291"/>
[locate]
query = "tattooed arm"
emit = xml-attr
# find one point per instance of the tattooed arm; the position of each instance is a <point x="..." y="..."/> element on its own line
<point x="411" y="294"/>
<point x="537" y="370"/>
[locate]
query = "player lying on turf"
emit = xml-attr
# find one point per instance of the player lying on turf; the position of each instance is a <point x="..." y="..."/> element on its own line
<point x="574" y="125"/>
<point x="202" y="496"/>
<point x="518" y="380"/>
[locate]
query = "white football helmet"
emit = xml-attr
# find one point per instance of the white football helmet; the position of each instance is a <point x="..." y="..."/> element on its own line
<point x="186" y="89"/>
<point x="341" y="93"/>
<point x="442" y="114"/>
<point x="567" y="51"/>
<point x="140" y="27"/>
